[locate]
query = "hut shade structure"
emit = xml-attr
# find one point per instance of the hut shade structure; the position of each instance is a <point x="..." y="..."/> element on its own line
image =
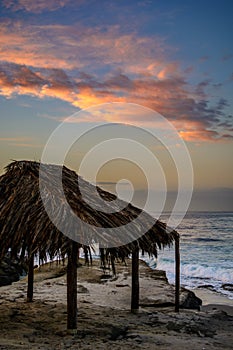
<point x="25" y="225"/>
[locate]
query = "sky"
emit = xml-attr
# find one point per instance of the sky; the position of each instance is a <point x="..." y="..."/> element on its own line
<point x="58" y="57"/>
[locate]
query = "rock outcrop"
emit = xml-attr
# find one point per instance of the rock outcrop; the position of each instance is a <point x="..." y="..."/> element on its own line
<point x="188" y="300"/>
<point x="164" y="296"/>
<point x="11" y="270"/>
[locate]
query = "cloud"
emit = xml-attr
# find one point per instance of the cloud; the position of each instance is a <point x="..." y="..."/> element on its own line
<point x="104" y="64"/>
<point x="26" y="45"/>
<point x="20" y="142"/>
<point x="227" y="136"/>
<point x="36" y="6"/>
<point x="188" y="110"/>
<point x="201" y="135"/>
<point x="39" y="46"/>
<point x="20" y="80"/>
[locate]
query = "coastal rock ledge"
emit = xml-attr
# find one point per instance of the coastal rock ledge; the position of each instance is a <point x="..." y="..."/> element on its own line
<point x="164" y="295"/>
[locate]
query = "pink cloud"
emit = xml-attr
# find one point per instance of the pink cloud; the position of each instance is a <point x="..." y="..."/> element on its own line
<point x="82" y="47"/>
<point x="143" y="72"/>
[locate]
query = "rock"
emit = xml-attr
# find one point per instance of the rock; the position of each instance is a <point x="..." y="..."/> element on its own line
<point x="220" y="315"/>
<point x="8" y="279"/>
<point x="82" y="289"/>
<point x="158" y="275"/>
<point x="209" y="333"/>
<point x="174" y="326"/>
<point x="14" y="313"/>
<point x="11" y="299"/>
<point x="188" y="300"/>
<point x="122" y="285"/>
<point x="61" y="333"/>
<point x="135" y="336"/>
<point x="118" y="333"/>
<point x="11" y="270"/>
<point x="153" y="319"/>
<point x="228" y="286"/>
<point x="31" y="340"/>
<point x="207" y="286"/>
<point x="156" y="301"/>
<point x="105" y="277"/>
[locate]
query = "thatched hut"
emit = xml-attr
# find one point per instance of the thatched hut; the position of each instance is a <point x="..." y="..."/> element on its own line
<point x="25" y="225"/>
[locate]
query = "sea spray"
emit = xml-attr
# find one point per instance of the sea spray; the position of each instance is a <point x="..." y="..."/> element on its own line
<point x="206" y="252"/>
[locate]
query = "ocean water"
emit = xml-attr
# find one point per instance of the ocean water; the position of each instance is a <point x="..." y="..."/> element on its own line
<point x="206" y="249"/>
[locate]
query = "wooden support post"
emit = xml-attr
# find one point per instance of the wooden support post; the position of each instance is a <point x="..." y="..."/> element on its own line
<point x="113" y="264"/>
<point x="85" y="249"/>
<point x="30" y="278"/>
<point x="135" y="281"/>
<point x="22" y="254"/>
<point x="177" y="284"/>
<point x="72" y="288"/>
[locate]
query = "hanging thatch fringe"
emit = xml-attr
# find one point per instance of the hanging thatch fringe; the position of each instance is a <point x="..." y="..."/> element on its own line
<point x="25" y="225"/>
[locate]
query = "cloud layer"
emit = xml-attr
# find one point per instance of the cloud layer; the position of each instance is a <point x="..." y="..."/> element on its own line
<point x="97" y="65"/>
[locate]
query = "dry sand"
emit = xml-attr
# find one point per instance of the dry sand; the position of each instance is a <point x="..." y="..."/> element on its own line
<point x="104" y="318"/>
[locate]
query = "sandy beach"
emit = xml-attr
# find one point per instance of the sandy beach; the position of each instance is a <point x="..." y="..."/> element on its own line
<point x="104" y="318"/>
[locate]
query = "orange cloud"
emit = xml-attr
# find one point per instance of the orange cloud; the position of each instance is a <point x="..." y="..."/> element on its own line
<point x="136" y="70"/>
<point x="200" y="135"/>
<point x="171" y="97"/>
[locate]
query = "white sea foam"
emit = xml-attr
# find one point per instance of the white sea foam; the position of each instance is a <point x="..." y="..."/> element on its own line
<point x="206" y="251"/>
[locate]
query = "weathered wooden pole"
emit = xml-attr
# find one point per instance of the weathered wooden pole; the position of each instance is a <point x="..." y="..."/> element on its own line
<point x="135" y="281"/>
<point x="23" y="250"/>
<point x="177" y="284"/>
<point x="30" y="278"/>
<point x="72" y="288"/>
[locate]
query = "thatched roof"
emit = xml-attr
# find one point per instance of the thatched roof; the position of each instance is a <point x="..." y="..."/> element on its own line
<point x="24" y="221"/>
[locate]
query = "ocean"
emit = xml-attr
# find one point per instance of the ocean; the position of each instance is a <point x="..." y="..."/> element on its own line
<point x="206" y="249"/>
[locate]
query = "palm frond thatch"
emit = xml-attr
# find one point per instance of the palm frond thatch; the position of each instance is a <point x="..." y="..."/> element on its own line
<point x="25" y="224"/>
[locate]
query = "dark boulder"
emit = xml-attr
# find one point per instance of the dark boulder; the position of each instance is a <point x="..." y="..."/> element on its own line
<point x="11" y="270"/>
<point x="207" y="286"/>
<point x="188" y="300"/>
<point x="228" y="286"/>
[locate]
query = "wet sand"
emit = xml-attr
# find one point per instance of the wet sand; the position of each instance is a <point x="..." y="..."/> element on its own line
<point x="214" y="301"/>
